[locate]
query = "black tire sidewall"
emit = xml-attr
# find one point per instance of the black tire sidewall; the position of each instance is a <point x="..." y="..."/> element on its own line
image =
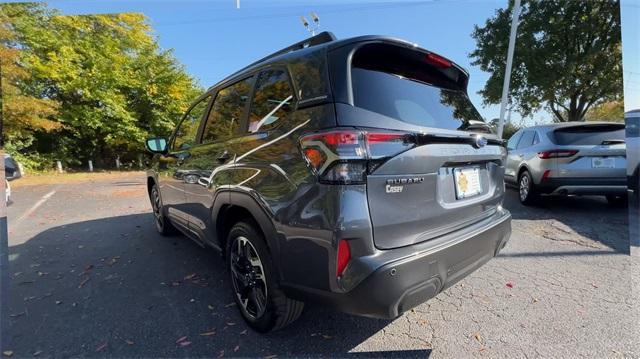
<point x="267" y="321"/>
<point x="167" y="228"/>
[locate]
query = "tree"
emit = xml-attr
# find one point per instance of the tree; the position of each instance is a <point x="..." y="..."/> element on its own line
<point x="509" y="128"/>
<point x="23" y="114"/>
<point x="567" y="57"/>
<point x="612" y="111"/>
<point x="113" y="83"/>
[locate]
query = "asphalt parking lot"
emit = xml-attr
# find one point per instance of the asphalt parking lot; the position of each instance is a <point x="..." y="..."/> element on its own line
<point x="90" y="277"/>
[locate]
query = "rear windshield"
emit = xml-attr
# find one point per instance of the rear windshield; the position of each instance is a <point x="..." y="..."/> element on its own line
<point x="411" y="91"/>
<point x="589" y="135"/>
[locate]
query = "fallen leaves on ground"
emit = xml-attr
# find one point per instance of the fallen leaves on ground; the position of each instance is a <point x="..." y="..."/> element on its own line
<point x="236" y="348"/>
<point x="181" y="339"/>
<point x="230" y="305"/>
<point x="478" y="337"/>
<point x="129" y="342"/>
<point x="509" y="285"/>
<point x="84" y="281"/>
<point x="37" y="353"/>
<point x="7" y="353"/>
<point x="207" y="334"/>
<point x="101" y="347"/>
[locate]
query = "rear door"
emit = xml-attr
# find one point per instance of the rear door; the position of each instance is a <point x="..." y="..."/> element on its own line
<point x="452" y="178"/>
<point x="600" y="151"/>
<point x="216" y="149"/>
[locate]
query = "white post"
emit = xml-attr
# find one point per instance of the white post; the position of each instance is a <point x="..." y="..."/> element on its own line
<point x="90" y="166"/>
<point x="507" y="72"/>
<point x="237" y="4"/>
<point x="21" y="169"/>
<point x="118" y="162"/>
<point x="59" y="166"/>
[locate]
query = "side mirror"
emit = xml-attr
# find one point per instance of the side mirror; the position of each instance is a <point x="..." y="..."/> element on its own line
<point x="157" y="144"/>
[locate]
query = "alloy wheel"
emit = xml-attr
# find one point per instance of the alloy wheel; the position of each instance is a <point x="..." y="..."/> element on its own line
<point x="156" y="203"/>
<point x="525" y="187"/>
<point x="248" y="278"/>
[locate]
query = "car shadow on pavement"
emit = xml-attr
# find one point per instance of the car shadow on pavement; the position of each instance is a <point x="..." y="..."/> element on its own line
<point x="585" y="220"/>
<point x="114" y="287"/>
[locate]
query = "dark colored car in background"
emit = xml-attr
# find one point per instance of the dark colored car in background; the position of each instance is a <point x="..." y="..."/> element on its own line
<point x="354" y="173"/>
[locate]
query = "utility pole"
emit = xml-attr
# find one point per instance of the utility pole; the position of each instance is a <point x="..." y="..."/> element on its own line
<point x="4" y="239"/>
<point x="507" y="72"/>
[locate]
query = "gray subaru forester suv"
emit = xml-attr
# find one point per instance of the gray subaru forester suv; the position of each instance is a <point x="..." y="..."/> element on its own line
<point x="353" y="173"/>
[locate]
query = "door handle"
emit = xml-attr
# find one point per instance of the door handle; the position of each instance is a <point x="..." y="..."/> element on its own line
<point x="224" y="156"/>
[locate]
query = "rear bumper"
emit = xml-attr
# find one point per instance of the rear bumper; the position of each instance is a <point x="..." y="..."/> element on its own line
<point x="584" y="186"/>
<point x="398" y="285"/>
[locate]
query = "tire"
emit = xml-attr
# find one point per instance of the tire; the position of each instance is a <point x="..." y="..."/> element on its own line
<point x="163" y="224"/>
<point x="526" y="190"/>
<point x="617" y="200"/>
<point x="262" y="304"/>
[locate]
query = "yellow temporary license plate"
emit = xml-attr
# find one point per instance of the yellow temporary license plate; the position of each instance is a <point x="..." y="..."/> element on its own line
<point x="467" y="182"/>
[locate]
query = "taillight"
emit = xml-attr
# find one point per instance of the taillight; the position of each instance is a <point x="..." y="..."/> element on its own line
<point x="557" y="153"/>
<point x="345" y="156"/>
<point x="343" y="257"/>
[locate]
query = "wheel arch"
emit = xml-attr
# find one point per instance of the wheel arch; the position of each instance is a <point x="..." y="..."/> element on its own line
<point x="239" y="206"/>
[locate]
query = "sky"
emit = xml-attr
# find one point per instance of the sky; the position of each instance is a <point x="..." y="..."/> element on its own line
<point x="214" y="39"/>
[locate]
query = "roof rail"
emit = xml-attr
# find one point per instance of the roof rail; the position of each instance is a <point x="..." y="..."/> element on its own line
<point x="321" y="38"/>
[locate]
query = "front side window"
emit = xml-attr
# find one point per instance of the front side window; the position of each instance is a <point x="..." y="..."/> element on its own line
<point x="185" y="136"/>
<point x="271" y="102"/>
<point x="227" y="111"/>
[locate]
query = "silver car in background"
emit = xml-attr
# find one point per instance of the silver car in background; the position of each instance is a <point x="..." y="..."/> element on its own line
<point x="572" y="158"/>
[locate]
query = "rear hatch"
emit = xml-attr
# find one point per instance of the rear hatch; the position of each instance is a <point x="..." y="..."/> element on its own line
<point x="593" y="150"/>
<point x="452" y="174"/>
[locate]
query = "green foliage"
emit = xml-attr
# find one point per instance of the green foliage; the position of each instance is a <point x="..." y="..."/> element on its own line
<point x="23" y="113"/>
<point x="567" y="57"/>
<point x="509" y="128"/>
<point x="612" y="111"/>
<point x="112" y="84"/>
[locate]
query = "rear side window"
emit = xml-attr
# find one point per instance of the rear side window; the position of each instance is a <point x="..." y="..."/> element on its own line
<point x="227" y="111"/>
<point x="513" y="141"/>
<point x="186" y="133"/>
<point x="398" y="83"/>
<point x="589" y="135"/>
<point x="527" y="139"/>
<point x="271" y="102"/>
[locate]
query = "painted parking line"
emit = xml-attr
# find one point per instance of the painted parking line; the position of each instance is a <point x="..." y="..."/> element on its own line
<point x="33" y="208"/>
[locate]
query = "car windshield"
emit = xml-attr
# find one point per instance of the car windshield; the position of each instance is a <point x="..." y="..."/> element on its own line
<point x="589" y="135"/>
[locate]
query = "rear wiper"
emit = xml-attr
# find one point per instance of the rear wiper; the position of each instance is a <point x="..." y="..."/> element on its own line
<point x="612" y="142"/>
